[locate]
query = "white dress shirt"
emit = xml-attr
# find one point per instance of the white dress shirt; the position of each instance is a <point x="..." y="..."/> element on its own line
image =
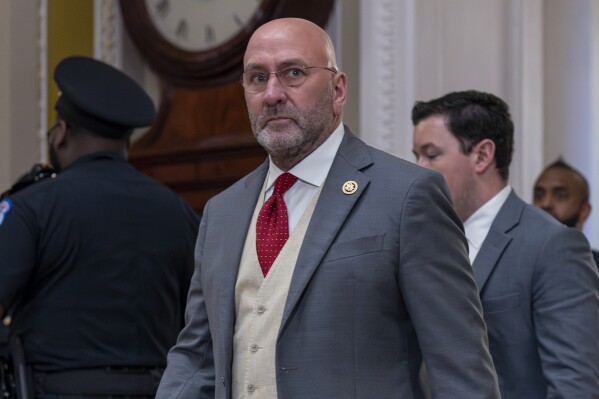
<point x="311" y="173"/>
<point x="477" y="226"/>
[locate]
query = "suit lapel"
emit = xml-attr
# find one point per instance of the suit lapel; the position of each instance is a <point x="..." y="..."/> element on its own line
<point x="331" y="211"/>
<point x="497" y="239"/>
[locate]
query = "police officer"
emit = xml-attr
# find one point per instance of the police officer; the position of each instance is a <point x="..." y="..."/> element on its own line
<point x="96" y="261"/>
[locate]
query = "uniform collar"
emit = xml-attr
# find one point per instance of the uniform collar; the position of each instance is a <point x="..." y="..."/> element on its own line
<point x="96" y="155"/>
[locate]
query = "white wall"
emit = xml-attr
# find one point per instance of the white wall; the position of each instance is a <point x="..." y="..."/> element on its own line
<point x="570" y="104"/>
<point x="19" y="89"/>
<point x="5" y="137"/>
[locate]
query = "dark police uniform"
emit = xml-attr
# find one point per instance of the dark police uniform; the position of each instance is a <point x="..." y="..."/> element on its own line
<point x="99" y="261"/>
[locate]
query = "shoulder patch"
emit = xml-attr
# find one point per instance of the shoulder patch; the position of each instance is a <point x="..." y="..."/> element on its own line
<point x="5" y="207"/>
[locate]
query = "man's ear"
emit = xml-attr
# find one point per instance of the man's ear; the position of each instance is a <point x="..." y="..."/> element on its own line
<point x="61" y="134"/>
<point x="585" y="211"/>
<point x="339" y="92"/>
<point x="483" y="155"/>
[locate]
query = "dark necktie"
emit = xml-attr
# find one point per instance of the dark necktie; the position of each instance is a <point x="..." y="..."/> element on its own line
<point x="272" y="226"/>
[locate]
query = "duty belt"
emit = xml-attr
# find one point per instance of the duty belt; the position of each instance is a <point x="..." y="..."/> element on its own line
<point x="108" y="381"/>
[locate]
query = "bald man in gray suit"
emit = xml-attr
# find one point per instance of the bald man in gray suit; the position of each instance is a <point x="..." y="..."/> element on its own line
<point x="374" y="275"/>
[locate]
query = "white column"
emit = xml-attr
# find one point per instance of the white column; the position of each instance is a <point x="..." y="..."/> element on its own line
<point x="525" y="91"/>
<point x="19" y="89"/>
<point x="107" y="32"/>
<point x="592" y="226"/>
<point x="387" y="74"/>
<point x="43" y="80"/>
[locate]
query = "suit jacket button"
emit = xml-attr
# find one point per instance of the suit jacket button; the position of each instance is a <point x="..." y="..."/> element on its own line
<point x="223" y="380"/>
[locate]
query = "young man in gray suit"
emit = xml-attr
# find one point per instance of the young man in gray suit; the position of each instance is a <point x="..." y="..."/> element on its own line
<point x="537" y="282"/>
<point x="372" y="274"/>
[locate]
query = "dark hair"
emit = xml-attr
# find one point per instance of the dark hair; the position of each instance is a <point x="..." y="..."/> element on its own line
<point x="561" y="164"/>
<point x="472" y="116"/>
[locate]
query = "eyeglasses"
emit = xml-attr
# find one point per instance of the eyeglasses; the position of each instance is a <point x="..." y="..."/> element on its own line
<point x="293" y="76"/>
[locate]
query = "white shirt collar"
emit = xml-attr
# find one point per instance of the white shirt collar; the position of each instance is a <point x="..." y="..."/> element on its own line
<point x="477" y="226"/>
<point x="315" y="167"/>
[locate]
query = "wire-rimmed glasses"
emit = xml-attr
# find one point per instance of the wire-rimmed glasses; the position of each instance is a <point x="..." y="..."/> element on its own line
<point x="255" y="81"/>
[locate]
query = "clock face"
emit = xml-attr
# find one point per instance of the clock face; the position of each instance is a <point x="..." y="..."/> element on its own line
<point x="200" y="43"/>
<point x="200" y="25"/>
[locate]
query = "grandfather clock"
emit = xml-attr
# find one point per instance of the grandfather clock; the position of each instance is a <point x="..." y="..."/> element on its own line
<point x="201" y="141"/>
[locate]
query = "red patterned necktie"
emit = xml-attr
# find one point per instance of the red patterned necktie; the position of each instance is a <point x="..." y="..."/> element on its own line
<point x="272" y="226"/>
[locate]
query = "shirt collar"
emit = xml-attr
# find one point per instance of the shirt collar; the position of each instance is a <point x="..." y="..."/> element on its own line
<point x="315" y="167"/>
<point x="477" y="226"/>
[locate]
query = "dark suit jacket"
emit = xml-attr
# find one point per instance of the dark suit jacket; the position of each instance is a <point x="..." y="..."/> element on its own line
<point x="378" y="270"/>
<point x="539" y="289"/>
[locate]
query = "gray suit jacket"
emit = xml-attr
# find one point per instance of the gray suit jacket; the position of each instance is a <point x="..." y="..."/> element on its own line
<point x="539" y="289"/>
<point x="378" y="271"/>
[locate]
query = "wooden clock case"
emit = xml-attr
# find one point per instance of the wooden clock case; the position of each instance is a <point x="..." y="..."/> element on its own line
<point x="201" y="141"/>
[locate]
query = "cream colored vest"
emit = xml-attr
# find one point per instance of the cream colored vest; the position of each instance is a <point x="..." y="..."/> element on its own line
<point x="259" y="305"/>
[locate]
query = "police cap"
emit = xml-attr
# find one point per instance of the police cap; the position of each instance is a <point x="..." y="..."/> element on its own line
<point x="100" y="98"/>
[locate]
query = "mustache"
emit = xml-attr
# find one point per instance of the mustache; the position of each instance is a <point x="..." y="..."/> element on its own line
<point x="276" y="111"/>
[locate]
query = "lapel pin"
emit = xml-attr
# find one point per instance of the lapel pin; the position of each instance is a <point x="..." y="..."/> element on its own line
<point x="349" y="187"/>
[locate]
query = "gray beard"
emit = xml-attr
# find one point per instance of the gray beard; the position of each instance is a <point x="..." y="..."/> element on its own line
<point x="295" y="142"/>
